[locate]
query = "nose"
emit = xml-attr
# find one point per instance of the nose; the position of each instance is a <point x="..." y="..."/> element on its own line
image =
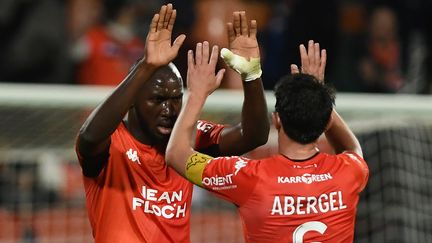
<point x="168" y="108"/>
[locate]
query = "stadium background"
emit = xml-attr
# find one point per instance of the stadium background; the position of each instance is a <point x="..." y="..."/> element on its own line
<point x="41" y="192"/>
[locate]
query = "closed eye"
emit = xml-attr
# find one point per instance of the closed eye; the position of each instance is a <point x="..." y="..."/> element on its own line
<point x="178" y="97"/>
<point x="158" y="99"/>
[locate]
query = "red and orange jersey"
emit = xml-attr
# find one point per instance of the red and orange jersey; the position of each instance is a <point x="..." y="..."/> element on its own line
<point x="109" y="60"/>
<point x="136" y="197"/>
<point x="280" y="200"/>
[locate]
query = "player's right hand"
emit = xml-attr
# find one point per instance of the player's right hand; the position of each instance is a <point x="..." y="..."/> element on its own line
<point x="158" y="48"/>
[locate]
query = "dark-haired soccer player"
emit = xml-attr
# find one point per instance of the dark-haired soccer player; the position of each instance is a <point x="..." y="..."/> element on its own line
<point x="132" y="196"/>
<point x="299" y="195"/>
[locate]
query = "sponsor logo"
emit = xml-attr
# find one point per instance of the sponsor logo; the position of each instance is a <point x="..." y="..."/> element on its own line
<point x="238" y="165"/>
<point x="160" y="203"/>
<point x="304" y="166"/>
<point x="218" y="180"/>
<point x="133" y="156"/>
<point x="305" y="178"/>
<point x="203" y="126"/>
<point x="226" y="181"/>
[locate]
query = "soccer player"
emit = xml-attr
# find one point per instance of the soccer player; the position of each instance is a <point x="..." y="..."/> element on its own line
<point x="132" y="196"/>
<point x="300" y="194"/>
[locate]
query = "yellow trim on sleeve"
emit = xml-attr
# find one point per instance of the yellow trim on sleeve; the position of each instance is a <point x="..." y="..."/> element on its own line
<point x="195" y="166"/>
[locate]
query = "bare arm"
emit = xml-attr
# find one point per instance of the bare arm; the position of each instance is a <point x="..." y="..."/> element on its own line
<point x="201" y="82"/>
<point x="254" y="127"/>
<point x="94" y="137"/>
<point x="339" y="135"/>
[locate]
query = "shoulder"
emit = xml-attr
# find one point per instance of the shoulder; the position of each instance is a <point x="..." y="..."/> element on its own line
<point x="351" y="158"/>
<point x="349" y="162"/>
<point x="121" y="138"/>
<point x="120" y="132"/>
<point x="235" y="164"/>
<point x="356" y="164"/>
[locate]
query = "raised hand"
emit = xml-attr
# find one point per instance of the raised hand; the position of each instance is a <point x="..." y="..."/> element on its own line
<point x="313" y="61"/>
<point x="243" y="55"/>
<point x="201" y="78"/>
<point x="241" y="37"/>
<point x="158" y="48"/>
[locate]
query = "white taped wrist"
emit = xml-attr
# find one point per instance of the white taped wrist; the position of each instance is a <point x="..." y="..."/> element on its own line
<point x="249" y="70"/>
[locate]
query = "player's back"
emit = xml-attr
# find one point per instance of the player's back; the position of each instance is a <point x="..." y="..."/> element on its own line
<point x="308" y="201"/>
<point x="281" y="200"/>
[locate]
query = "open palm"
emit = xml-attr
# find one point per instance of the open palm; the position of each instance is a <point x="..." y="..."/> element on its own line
<point x="242" y="38"/>
<point x="159" y="51"/>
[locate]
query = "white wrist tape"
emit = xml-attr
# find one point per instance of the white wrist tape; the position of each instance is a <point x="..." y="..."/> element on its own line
<point x="249" y="70"/>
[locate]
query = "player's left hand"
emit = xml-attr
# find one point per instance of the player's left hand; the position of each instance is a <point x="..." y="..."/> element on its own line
<point x="242" y="37"/>
<point x="313" y="61"/>
<point x="243" y="54"/>
<point x="201" y="77"/>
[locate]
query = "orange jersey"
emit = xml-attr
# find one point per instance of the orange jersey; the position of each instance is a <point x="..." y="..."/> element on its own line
<point x="136" y="197"/>
<point x="109" y="60"/>
<point x="280" y="200"/>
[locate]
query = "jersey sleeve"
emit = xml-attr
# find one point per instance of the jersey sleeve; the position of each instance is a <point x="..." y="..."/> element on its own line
<point x="359" y="167"/>
<point x="231" y="178"/>
<point x="207" y="137"/>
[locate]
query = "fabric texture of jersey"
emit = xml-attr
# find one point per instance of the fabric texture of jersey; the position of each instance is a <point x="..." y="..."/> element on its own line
<point x="109" y="60"/>
<point x="280" y="200"/>
<point x="136" y="197"/>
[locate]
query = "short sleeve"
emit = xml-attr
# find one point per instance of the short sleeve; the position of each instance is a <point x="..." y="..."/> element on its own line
<point x="359" y="168"/>
<point x="207" y="137"/>
<point x="232" y="178"/>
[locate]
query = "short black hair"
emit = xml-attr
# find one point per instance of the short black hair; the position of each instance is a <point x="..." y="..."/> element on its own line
<point x="304" y="106"/>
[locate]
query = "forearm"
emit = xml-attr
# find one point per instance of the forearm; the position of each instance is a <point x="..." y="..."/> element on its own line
<point x="179" y="147"/>
<point x="341" y="137"/>
<point x="254" y="117"/>
<point x="103" y="121"/>
<point x="254" y="127"/>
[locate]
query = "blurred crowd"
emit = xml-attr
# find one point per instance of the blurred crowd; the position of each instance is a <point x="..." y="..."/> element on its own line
<point x="373" y="45"/>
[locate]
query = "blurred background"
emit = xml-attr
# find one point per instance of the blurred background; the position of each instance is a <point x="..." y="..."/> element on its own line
<point x="60" y="58"/>
<point x="373" y="45"/>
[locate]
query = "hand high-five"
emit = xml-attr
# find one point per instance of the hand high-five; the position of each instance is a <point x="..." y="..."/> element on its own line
<point x="158" y="48"/>
<point x="243" y="54"/>
<point x="242" y="37"/>
<point x="201" y="78"/>
<point x="313" y="61"/>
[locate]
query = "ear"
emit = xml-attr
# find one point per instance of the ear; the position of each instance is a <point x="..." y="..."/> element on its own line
<point x="276" y="120"/>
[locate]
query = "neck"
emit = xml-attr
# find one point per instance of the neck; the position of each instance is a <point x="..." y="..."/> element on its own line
<point x="295" y="150"/>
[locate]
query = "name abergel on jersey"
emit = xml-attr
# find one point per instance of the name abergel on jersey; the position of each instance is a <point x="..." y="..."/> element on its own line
<point x="293" y="205"/>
